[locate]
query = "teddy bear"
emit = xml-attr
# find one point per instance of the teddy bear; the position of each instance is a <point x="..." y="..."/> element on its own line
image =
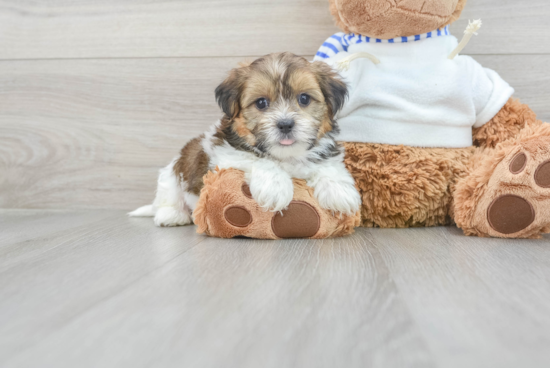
<point x="431" y="137"/>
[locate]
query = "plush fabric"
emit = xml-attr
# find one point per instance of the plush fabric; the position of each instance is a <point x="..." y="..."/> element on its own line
<point x="403" y="186"/>
<point x="506" y="124"/>
<point x="225" y="200"/>
<point x="390" y="19"/>
<point x="415" y="96"/>
<point x="492" y="178"/>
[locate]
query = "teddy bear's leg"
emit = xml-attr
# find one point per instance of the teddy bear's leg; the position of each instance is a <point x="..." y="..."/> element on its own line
<point x="506" y="193"/>
<point x="507" y="124"/>
<point x="403" y="186"/>
<point x="227" y="209"/>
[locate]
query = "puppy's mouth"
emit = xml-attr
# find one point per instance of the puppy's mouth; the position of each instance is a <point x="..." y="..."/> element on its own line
<point x="287" y="142"/>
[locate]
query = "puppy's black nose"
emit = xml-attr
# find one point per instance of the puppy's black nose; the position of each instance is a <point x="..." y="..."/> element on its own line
<point x="285" y="126"/>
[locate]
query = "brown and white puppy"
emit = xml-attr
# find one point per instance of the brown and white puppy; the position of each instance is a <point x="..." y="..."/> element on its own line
<point x="278" y="124"/>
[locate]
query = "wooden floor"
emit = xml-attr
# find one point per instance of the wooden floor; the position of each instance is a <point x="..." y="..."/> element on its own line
<point x="97" y="289"/>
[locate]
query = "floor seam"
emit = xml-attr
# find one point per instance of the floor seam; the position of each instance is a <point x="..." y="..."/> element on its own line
<point x="433" y="356"/>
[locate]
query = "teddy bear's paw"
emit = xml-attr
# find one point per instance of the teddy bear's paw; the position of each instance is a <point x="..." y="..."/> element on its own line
<point x="274" y="195"/>
<point x="517" y="199"/>
<point x="338" y="197"/>
<point x="170" y="216"/>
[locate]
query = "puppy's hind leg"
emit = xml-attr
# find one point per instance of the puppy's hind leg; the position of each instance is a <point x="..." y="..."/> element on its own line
<point x="145" y="211"/>
<point x="179" y="185"/>
<point x="171" y="216"/>
<point x="171" y="208"/>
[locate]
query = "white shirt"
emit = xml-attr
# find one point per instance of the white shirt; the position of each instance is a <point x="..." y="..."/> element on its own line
<point x="416" y="96"/>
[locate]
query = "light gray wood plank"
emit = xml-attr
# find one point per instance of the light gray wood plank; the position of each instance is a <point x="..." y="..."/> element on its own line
<point x="99" y="122"/>
<point x="18" y="226"/>
<point x="25" y="233"/>
<point x="28" y="237"/>
<point x="527" y="74"/>
<point x="93" y="133"/>
<point x="224" y="303"/>
<point x="48" y="281"/>
<point x="479" y="302"/>
<point x="161" y="28"/>
<point x="509" y="27"/>
<point x="192" y="28"/>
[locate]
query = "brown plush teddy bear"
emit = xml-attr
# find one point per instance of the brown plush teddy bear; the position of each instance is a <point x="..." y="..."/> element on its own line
<point x="433" y="138"/>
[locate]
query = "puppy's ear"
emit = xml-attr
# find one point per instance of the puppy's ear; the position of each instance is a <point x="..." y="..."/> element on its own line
<point x="229" y="92"/>
<point x="245" y="63"/>
<point x="332" y="86"/>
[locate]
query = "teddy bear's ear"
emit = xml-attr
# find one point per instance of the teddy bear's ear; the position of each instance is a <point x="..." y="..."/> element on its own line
<point x="333" y="6"/>
<point x="333" y="88"/>
<point x="458" y="11"/>
<point x="228" y="93"/>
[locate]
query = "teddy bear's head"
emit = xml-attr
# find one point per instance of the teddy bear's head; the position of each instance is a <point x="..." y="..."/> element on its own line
<point x="388" y="19"/>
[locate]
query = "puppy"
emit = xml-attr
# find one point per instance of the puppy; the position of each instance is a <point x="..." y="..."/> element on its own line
<point x="278" y="124"/>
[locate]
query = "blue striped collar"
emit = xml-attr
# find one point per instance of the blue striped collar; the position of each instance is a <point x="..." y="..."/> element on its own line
<point x="341" y="41"/>
<point x="352" y="38"/>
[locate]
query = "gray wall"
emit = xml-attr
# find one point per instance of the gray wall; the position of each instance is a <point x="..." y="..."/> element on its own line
<point x="96" y="95"/>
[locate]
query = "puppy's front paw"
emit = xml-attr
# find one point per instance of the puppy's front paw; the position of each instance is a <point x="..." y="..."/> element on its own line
<point x="274" y="194"/>
<point x="338" y="196"/>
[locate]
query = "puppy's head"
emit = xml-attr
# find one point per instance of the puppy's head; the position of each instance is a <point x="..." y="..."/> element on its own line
<point x="280" y="104"/>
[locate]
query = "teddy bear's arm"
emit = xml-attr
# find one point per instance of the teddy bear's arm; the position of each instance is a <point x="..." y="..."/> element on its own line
<point x="509" y="121"/>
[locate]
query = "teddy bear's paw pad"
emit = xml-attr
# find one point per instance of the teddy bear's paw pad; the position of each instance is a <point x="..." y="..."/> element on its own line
<point x="299" y="220"/>
<point x="246" y="191"/>
<point x="509" y="214"/>
<point x="518" y="164"/>
<point x="542" y="175"/>
<point x="238" y="216"/>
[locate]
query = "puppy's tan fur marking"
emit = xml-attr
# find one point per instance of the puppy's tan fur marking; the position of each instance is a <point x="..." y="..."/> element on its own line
<point x="192" y="165"/>
<point x="240" y="127"/>
<point x="259" y="85"/>
<point x="304" y="81"/>
<point x="326" y="127"/>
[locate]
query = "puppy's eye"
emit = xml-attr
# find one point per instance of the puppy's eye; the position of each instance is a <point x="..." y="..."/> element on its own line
<point x="304" y="99"/>
<point x="262" y="104"/>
